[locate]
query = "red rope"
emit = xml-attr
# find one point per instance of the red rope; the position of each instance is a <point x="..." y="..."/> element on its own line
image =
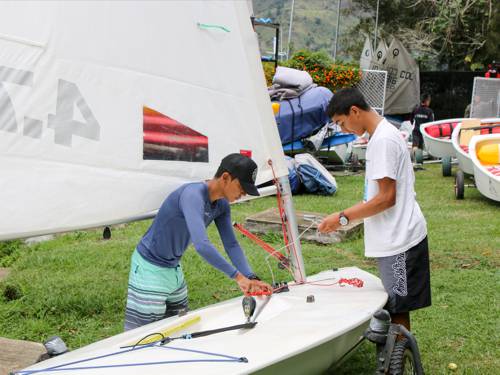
<point x="280" y="207"/>
<point x="358" y="283"/>
<point x="275" y="253"/>
<point x="283" y="217"/>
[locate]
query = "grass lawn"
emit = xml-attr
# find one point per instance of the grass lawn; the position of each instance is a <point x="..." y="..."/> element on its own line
<point x="75" y="285"/>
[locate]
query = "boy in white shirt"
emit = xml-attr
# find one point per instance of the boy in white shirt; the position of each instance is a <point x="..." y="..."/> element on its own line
<point x="395" y="229"/>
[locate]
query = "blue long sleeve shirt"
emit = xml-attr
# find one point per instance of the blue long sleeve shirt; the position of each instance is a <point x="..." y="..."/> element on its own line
<point x="182" y="219"/>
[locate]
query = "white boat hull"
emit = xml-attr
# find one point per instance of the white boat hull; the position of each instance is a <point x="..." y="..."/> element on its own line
<point x="464" y="161"/>
<point x="292" y="336"/>
<point x="486" y="182"/>
<point x="438" y="147"/>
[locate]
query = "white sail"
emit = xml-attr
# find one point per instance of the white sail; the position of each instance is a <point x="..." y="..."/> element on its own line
<point x="403" y="80"/>
<point x="366" y="54"/>
<point x="378" y="57"/>
<point x="82" y="87"/>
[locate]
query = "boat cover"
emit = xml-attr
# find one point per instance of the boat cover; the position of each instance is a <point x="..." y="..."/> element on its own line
<point x="300" y="117"/>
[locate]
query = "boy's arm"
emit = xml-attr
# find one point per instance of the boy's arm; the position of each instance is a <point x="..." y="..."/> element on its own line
<point x="192" y="206"/>
<point x="384" y="171"/>
<point x="231" y="245"/>
<point x="385" y="198"/>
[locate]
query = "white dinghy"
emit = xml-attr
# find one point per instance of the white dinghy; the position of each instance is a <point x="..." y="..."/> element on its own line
<point x="460" y="139"/>
<point x="437" y="140"/>
<point x="292" y="336"/>
<point x="484" y="151"/>
<point x="107" y="108"/>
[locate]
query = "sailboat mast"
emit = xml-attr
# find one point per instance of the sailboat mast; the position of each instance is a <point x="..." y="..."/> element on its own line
<point x="299" y="271"/>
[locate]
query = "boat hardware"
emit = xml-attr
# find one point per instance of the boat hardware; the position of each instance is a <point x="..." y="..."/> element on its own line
<point x="394" y="355"/>
<point x="249" y="305"/>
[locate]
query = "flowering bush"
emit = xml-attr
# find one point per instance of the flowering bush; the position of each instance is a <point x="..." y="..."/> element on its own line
<point x="322" y="70"/>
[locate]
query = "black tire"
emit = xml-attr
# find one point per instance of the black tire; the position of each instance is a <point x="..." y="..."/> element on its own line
<point x="402" y="359"/>
<point x="355" y="162"/>
<point x="106" y="233"/>
<point x="446" y="164"/>
<point x="459" y="184"/>
<point x="419" y="156"/>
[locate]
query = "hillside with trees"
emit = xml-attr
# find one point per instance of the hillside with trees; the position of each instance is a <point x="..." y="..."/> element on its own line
<point x="442" y="35"/>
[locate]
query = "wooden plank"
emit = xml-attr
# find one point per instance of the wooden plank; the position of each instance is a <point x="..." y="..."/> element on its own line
<point x="307" y="222"/>
<point x="466" y="135"/>
<point x="18" y="354"/>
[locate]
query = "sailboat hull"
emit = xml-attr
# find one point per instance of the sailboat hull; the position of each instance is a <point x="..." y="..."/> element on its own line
<point x="292" y="336"/>
<point x="320" y="358"/>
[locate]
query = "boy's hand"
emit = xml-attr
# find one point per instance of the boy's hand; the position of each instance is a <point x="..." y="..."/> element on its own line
<point x="260" y="287"/>
<point x="329" y="223"/>
<point x="248" y="286"/>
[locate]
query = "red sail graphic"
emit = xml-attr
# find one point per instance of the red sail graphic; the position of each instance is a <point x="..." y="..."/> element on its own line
<point x="167" y="139"/>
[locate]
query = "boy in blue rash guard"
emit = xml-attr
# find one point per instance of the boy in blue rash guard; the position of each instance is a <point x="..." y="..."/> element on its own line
<point x="156" y="288"/>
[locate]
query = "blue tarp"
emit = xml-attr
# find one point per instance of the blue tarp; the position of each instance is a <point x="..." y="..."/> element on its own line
<point x="334" y="140"/>
<point x="301" y="117"/>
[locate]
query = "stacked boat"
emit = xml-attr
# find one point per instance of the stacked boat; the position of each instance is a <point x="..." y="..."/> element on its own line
<point x="474" y="143"/>
<point x="437" y="140"/>
<point x="484" y="151"/>
<point x="461" y="137"/>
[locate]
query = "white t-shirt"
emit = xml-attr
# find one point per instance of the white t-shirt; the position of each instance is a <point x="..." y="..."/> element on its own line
<point x="402" y="226"/>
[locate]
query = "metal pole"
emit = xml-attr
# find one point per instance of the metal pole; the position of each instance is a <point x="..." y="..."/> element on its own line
<point x="277" y="45"/>
<point x="337" y="31"/>
<point x="376" y="26"/>
<point x="290" y="31"/>
<point x="297" y="262"/>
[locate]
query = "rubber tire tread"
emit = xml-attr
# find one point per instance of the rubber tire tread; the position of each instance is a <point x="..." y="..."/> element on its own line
<point x="396" y="365"/>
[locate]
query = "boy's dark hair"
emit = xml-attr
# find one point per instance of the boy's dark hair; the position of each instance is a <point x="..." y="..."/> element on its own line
<point x="221" y="170"/>
<point x="425" y="96"/>
<point x="344" y="99"/>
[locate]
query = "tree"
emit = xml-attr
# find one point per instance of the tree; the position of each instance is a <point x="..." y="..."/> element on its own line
<point x="455" y="34"/>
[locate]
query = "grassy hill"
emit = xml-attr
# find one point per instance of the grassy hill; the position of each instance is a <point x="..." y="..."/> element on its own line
<point x="313" y="26"/>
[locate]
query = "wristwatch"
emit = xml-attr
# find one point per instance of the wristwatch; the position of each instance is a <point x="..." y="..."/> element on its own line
<point x="343" y="220"/>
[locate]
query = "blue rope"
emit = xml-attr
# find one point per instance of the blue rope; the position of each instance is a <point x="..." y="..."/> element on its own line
<point x="127" y="365"/>
<point x="87" y="359"/>
<point x="60" y="367"/>
<point x="201" y="352"/>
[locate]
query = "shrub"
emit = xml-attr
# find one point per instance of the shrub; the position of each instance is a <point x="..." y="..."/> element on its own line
<point x="323" y="71"/>
<point x="321" y="68"/>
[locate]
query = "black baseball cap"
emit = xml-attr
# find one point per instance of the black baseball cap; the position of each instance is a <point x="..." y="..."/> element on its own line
<point x="244" y="169"/>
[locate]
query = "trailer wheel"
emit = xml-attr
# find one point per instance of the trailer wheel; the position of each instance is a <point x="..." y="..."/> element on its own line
<point x="106" y="233"/>
<point x="355" y="162"/>
<point x="446" y="164"/>
<point x="459" y="184"/>
<point x="402" y="359"/>
<point x="419" y="156"/>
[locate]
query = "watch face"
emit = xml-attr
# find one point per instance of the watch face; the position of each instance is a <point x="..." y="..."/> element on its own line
<point x="343" y="220"/>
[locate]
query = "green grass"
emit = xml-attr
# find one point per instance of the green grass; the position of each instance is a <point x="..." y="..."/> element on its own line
<point x="75" y="285"/>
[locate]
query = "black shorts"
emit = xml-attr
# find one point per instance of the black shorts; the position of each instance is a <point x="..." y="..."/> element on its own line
<point x="406" y="279"/>
<point x="417" y="139"/>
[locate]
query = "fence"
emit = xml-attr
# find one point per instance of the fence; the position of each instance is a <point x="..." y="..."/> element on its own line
<point x="373" y="85"/>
